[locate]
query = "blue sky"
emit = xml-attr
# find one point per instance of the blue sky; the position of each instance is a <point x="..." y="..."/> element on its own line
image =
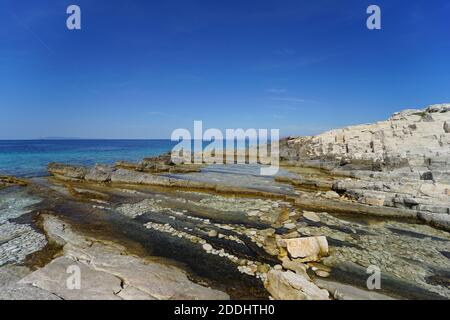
<point x="140" y="69"/>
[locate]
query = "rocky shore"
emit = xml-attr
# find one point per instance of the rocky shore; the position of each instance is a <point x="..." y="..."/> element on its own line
<point x="343" y="202"/>
<point x="401" y="165"/>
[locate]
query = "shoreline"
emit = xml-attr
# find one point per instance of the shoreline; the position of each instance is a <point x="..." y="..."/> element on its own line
<point x="308" y="233"/>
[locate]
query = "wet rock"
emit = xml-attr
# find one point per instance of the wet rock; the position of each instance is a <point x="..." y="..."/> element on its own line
<point x="17" y="241"/>
<point x="439" y="220"/>
<point x="6" y="181"/>
<point x="291" y="286"/>
<point x="339" y="236"/>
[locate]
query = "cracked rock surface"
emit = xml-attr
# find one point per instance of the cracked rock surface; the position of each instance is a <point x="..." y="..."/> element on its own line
<point x="108" y="272"/>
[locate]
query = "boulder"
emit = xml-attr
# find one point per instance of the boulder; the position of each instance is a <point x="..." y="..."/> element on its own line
<point x="286" y="285"/>
<point x="307" y="249"/>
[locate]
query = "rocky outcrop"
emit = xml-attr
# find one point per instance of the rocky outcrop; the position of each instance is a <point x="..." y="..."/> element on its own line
<point x="64" y="171"/>
<point x="6" y="181"/>
<point x="123" y="172"/>
<point x="399" y="164"/>
<point x="412" y="139"/>
<point x="159" y="164"/>
<point x="108" y="271"/>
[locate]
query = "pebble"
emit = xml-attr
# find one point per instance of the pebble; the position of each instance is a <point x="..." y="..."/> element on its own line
<point x="290" y="226"/>
<point x="253" y="213"/>
<point x="322" y="273"/>
<point x="277" y="267"/>
<point x="207" y="247"/>
<point x="212" y="233"/>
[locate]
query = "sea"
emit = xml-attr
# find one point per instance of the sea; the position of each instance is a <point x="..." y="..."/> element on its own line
<point x="29" y="158"/>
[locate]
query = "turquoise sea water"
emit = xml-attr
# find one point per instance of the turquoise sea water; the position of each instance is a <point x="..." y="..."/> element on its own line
<point x="29" y="158"/>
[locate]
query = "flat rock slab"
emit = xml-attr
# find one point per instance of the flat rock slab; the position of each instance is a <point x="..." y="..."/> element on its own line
<point x="242" y="176"/>
<point x="94" y="285"/>
<point x="108" y="272"/>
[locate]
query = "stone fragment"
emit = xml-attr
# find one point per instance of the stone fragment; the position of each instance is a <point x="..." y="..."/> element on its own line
<point x="290" y="226"/>
<point x="212" y="233"/>
<point x="322" y="273"/>
<point x="331" y="195"/>
<point x="308" y="249"/>
<point x="207" y="247"/>
<point x="296" y="266"/>
<point x="374" y="200"/>
<point x="312" y="216"/>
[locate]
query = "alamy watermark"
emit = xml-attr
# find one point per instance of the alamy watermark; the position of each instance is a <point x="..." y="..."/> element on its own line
<point x="73" y="282"/>
<point x="374" y="280"/>
<point x="374" y="20"/>
<point x="238" y="146"/>
<point x="73" y="21"/>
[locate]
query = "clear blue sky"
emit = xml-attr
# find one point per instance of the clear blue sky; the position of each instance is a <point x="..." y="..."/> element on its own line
<point x="140" y="69"/>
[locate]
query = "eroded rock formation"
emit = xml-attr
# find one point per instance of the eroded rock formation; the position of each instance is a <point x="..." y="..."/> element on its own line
<point x="401" y="163"/>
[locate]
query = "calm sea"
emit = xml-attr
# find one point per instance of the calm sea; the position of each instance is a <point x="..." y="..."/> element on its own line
<point x="29" y="158"/>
